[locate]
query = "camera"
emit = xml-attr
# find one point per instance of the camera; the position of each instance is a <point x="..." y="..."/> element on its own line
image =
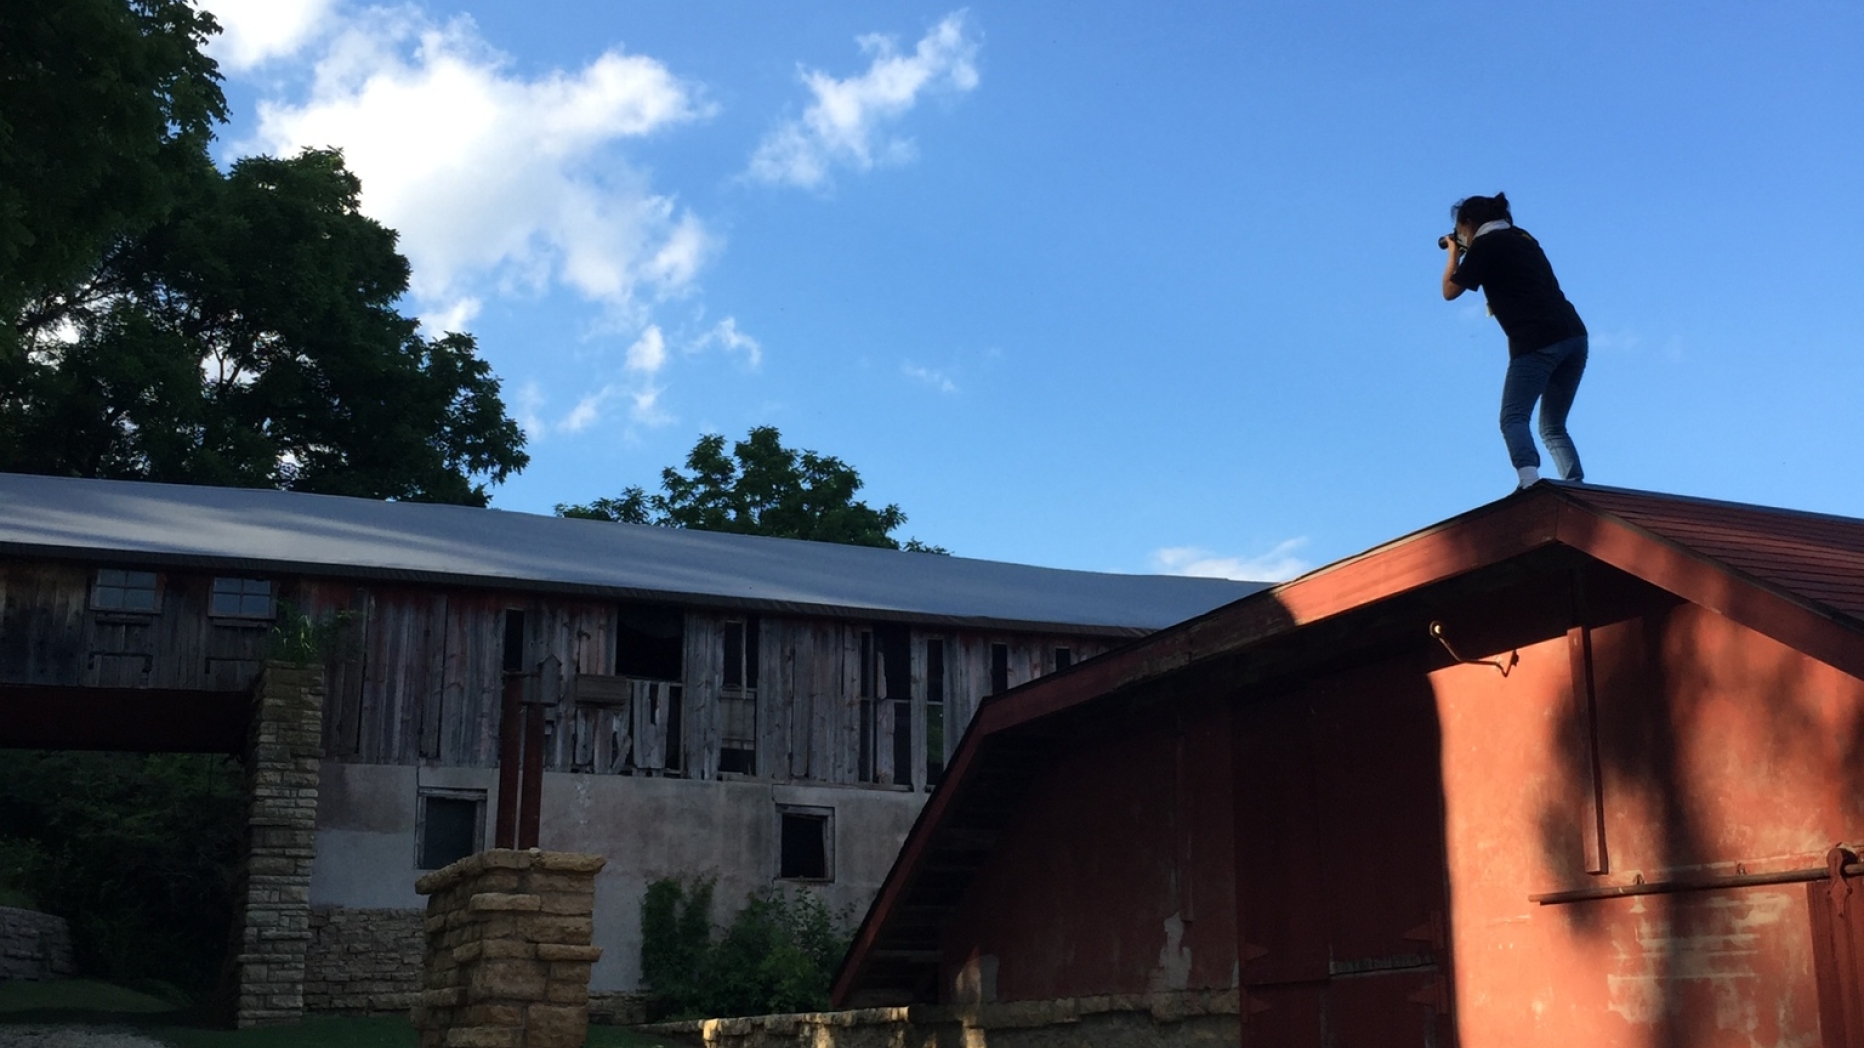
<point x="1443" y="242"/>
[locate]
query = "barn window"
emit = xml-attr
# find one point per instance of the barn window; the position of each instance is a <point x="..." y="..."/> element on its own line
<point x="737" y="700"/>
<point x="119" y="590"/>
<point x="512" y="650"/>
<point x="741" y="654"/>
<point x="807" y="843"/>
<point x="241" y="599"/>
<point x="452" y="826"/>
<point x="1064" y="658"/>
<point x="650" y="642"/>
<point x="999" y="668"/>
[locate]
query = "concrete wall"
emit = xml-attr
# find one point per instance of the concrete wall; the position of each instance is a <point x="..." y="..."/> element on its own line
<point x="648" y="828"/>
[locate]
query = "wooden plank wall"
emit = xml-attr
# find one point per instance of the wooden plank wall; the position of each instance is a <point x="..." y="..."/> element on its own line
<point x="49" y="634"/>
<point x="415" y="674"/>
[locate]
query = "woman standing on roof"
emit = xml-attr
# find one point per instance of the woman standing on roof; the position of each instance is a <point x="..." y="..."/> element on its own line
<point x="1546" y="338"/>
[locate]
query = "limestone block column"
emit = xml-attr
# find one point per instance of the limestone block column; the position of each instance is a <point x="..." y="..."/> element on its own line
<point x="508" y="950"/>
<point x="284" y="748"/>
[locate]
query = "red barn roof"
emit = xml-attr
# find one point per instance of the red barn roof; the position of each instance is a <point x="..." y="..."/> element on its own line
<point x="1796" y="577"/>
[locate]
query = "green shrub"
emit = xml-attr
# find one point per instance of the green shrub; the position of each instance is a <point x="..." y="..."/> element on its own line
<point x="778" y="954"/>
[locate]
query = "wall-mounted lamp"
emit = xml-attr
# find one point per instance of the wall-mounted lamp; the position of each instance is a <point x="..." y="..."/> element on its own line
<point x="1514" y="657"/>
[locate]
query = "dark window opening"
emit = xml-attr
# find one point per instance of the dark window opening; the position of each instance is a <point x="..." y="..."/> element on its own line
<point x="737" y="761"/>
<point x="866" y="770"/>
<point x="903" y="743"/>
<point x="676" y="747"/>
<point x="513" y="652"/>
<point x="650" y="642"/>
<point x="935" y="711"/>
<point x="740" y="654"/>
<point x="804" y="853"/>
<point x="241" y="599"/>
<point x="868" y="652"/>
<point x="452" y="827"/>
<point x="1064" y="658"/>
<point x="999" y="668"/>
<point x="119" y="590"/>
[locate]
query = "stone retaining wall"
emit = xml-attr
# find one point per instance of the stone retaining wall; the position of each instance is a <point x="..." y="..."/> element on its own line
<point x="1187" y="1019"/>
<point x="363" y="961"/>
<point x="33" y="945"/>
<point x="508" y="950"/>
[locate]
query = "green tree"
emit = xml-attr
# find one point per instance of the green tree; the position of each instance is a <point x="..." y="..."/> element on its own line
<point x="251" y="339"/>
<point x="106" y="106"/>
<point x="759" y="488"/>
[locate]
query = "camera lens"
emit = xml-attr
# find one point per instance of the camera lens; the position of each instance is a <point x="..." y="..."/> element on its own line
<point x="1443" y="243"/>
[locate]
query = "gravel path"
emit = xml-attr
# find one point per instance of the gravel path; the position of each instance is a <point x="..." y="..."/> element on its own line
<point x="73" y="1037"/>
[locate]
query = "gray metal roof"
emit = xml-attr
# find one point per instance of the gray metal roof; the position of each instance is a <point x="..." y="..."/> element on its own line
<point x="262" y="530"/>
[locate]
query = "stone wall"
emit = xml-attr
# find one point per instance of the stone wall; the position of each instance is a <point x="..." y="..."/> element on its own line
<point x="273" y="929"/>
<point x="1181" y="1019"/>
<point x="362" y="961"/>
<point x="33" y="945"/>
<point x="508" y="950"/>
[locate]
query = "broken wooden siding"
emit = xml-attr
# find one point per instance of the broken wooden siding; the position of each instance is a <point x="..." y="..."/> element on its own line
<point x="415" y="675"/>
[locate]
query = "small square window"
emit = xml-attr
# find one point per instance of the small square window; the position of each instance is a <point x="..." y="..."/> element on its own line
<point x="241" y="599"/>
<point x="118" y="590"/>
<point x="807" y="843"/>
<point x="452" y="827"/>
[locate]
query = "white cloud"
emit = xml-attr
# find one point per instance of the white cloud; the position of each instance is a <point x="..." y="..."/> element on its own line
<point x="255" y="31"/>
<point x="528" y="407"/>
<point x="725" y="333"/>
<point x="498" y="182"/>
<point x="844" y="124"/>
<point x="644" y="361"/>
<point x="936" y="379"/>
<point x="453" y="316"/>
<point x="649" y="352"/>
<point x="1277" y="565"/>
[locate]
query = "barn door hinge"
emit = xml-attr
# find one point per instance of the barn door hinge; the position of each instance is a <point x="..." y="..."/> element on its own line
<point x="1838" y="888"/>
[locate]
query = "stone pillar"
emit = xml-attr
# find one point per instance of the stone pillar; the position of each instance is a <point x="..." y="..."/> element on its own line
<point x="508" y="953"/>
<point x="273" y="927"/>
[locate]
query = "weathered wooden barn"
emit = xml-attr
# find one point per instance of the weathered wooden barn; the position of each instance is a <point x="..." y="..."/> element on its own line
<point x="757" y="710"/>
<point x="1584" y="766"/>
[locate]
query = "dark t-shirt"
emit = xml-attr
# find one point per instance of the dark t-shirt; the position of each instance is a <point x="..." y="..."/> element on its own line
<point x="1510" y="268"/>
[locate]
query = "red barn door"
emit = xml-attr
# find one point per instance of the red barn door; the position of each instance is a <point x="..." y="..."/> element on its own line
<point x="1340" y="867"/>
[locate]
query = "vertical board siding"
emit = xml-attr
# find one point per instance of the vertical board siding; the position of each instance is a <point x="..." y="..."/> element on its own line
<point x="416" y="674"/>
<point x="42" y="618"/>
<point x="704" y="661"/>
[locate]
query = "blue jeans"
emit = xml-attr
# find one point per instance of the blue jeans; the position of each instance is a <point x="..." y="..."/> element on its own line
<point x="1550" y="375"/>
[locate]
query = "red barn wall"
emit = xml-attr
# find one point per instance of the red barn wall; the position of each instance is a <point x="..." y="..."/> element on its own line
<point x="1718" y="751"/>
<point x="1116" y="876"/>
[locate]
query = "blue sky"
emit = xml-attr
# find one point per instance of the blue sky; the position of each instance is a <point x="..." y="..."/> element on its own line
<point x="1126" y="287"/>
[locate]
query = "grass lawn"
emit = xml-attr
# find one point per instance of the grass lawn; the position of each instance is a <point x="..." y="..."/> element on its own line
<point x="89" y="1002"/>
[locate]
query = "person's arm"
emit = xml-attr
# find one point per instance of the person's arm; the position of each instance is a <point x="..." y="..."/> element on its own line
<point x="1451" y="288"/>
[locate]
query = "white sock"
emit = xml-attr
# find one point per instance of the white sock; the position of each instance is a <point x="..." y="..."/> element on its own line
<point x="1529" y="475"/>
